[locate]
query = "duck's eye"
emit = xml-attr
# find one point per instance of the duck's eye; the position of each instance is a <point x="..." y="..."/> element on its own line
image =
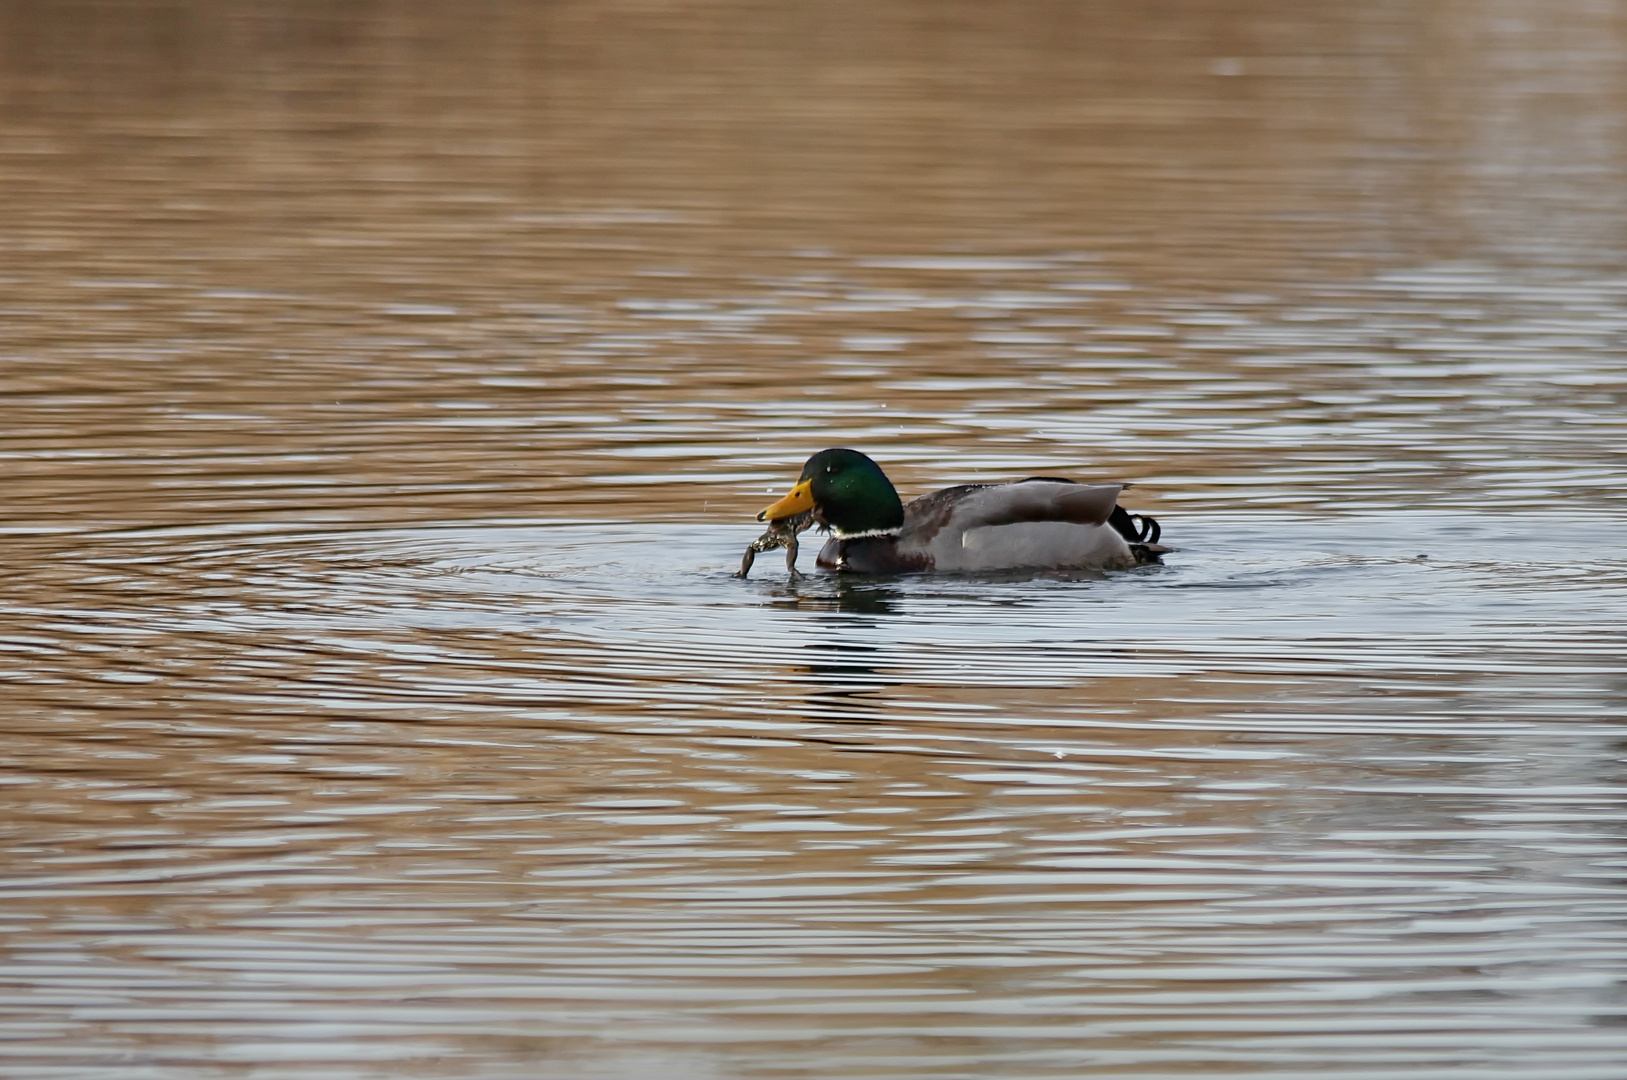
<point x="830" y="468"/>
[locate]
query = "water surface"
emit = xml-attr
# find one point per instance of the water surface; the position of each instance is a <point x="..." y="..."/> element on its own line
<point x="385" y="397"/>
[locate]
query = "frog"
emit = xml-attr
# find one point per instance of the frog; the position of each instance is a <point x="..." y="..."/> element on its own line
<point x="782" y="533"/>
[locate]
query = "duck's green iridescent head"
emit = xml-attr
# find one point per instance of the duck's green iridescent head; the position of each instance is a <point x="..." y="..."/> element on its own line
<point x="848" y="491"/>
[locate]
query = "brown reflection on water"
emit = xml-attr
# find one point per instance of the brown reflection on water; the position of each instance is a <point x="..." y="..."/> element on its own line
<point x="386" y="388"/>
<point x="388" y="261"/>
<point x="569" y="799"/>
<point x="1213" y="131"/>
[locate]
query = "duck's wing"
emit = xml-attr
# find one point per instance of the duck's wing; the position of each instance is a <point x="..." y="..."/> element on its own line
<point x="976" y="506"/>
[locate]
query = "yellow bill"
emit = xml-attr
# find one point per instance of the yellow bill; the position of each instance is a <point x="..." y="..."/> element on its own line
<point x="796" y="501"/>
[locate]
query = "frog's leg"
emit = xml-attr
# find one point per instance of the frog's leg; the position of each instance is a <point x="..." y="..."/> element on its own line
<point x="791" y="556"/>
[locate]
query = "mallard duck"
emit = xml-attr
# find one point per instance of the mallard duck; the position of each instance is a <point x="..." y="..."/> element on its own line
<point x="1036" y="523"/>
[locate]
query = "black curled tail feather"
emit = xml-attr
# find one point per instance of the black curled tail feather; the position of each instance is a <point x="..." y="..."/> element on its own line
<point x="1135" y="528"/>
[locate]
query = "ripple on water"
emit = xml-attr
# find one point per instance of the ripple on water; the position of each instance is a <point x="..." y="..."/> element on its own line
<point x="390" y="795"/>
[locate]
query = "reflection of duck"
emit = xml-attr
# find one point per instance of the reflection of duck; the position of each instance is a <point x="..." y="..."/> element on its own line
<point x="1034" y="523"/>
